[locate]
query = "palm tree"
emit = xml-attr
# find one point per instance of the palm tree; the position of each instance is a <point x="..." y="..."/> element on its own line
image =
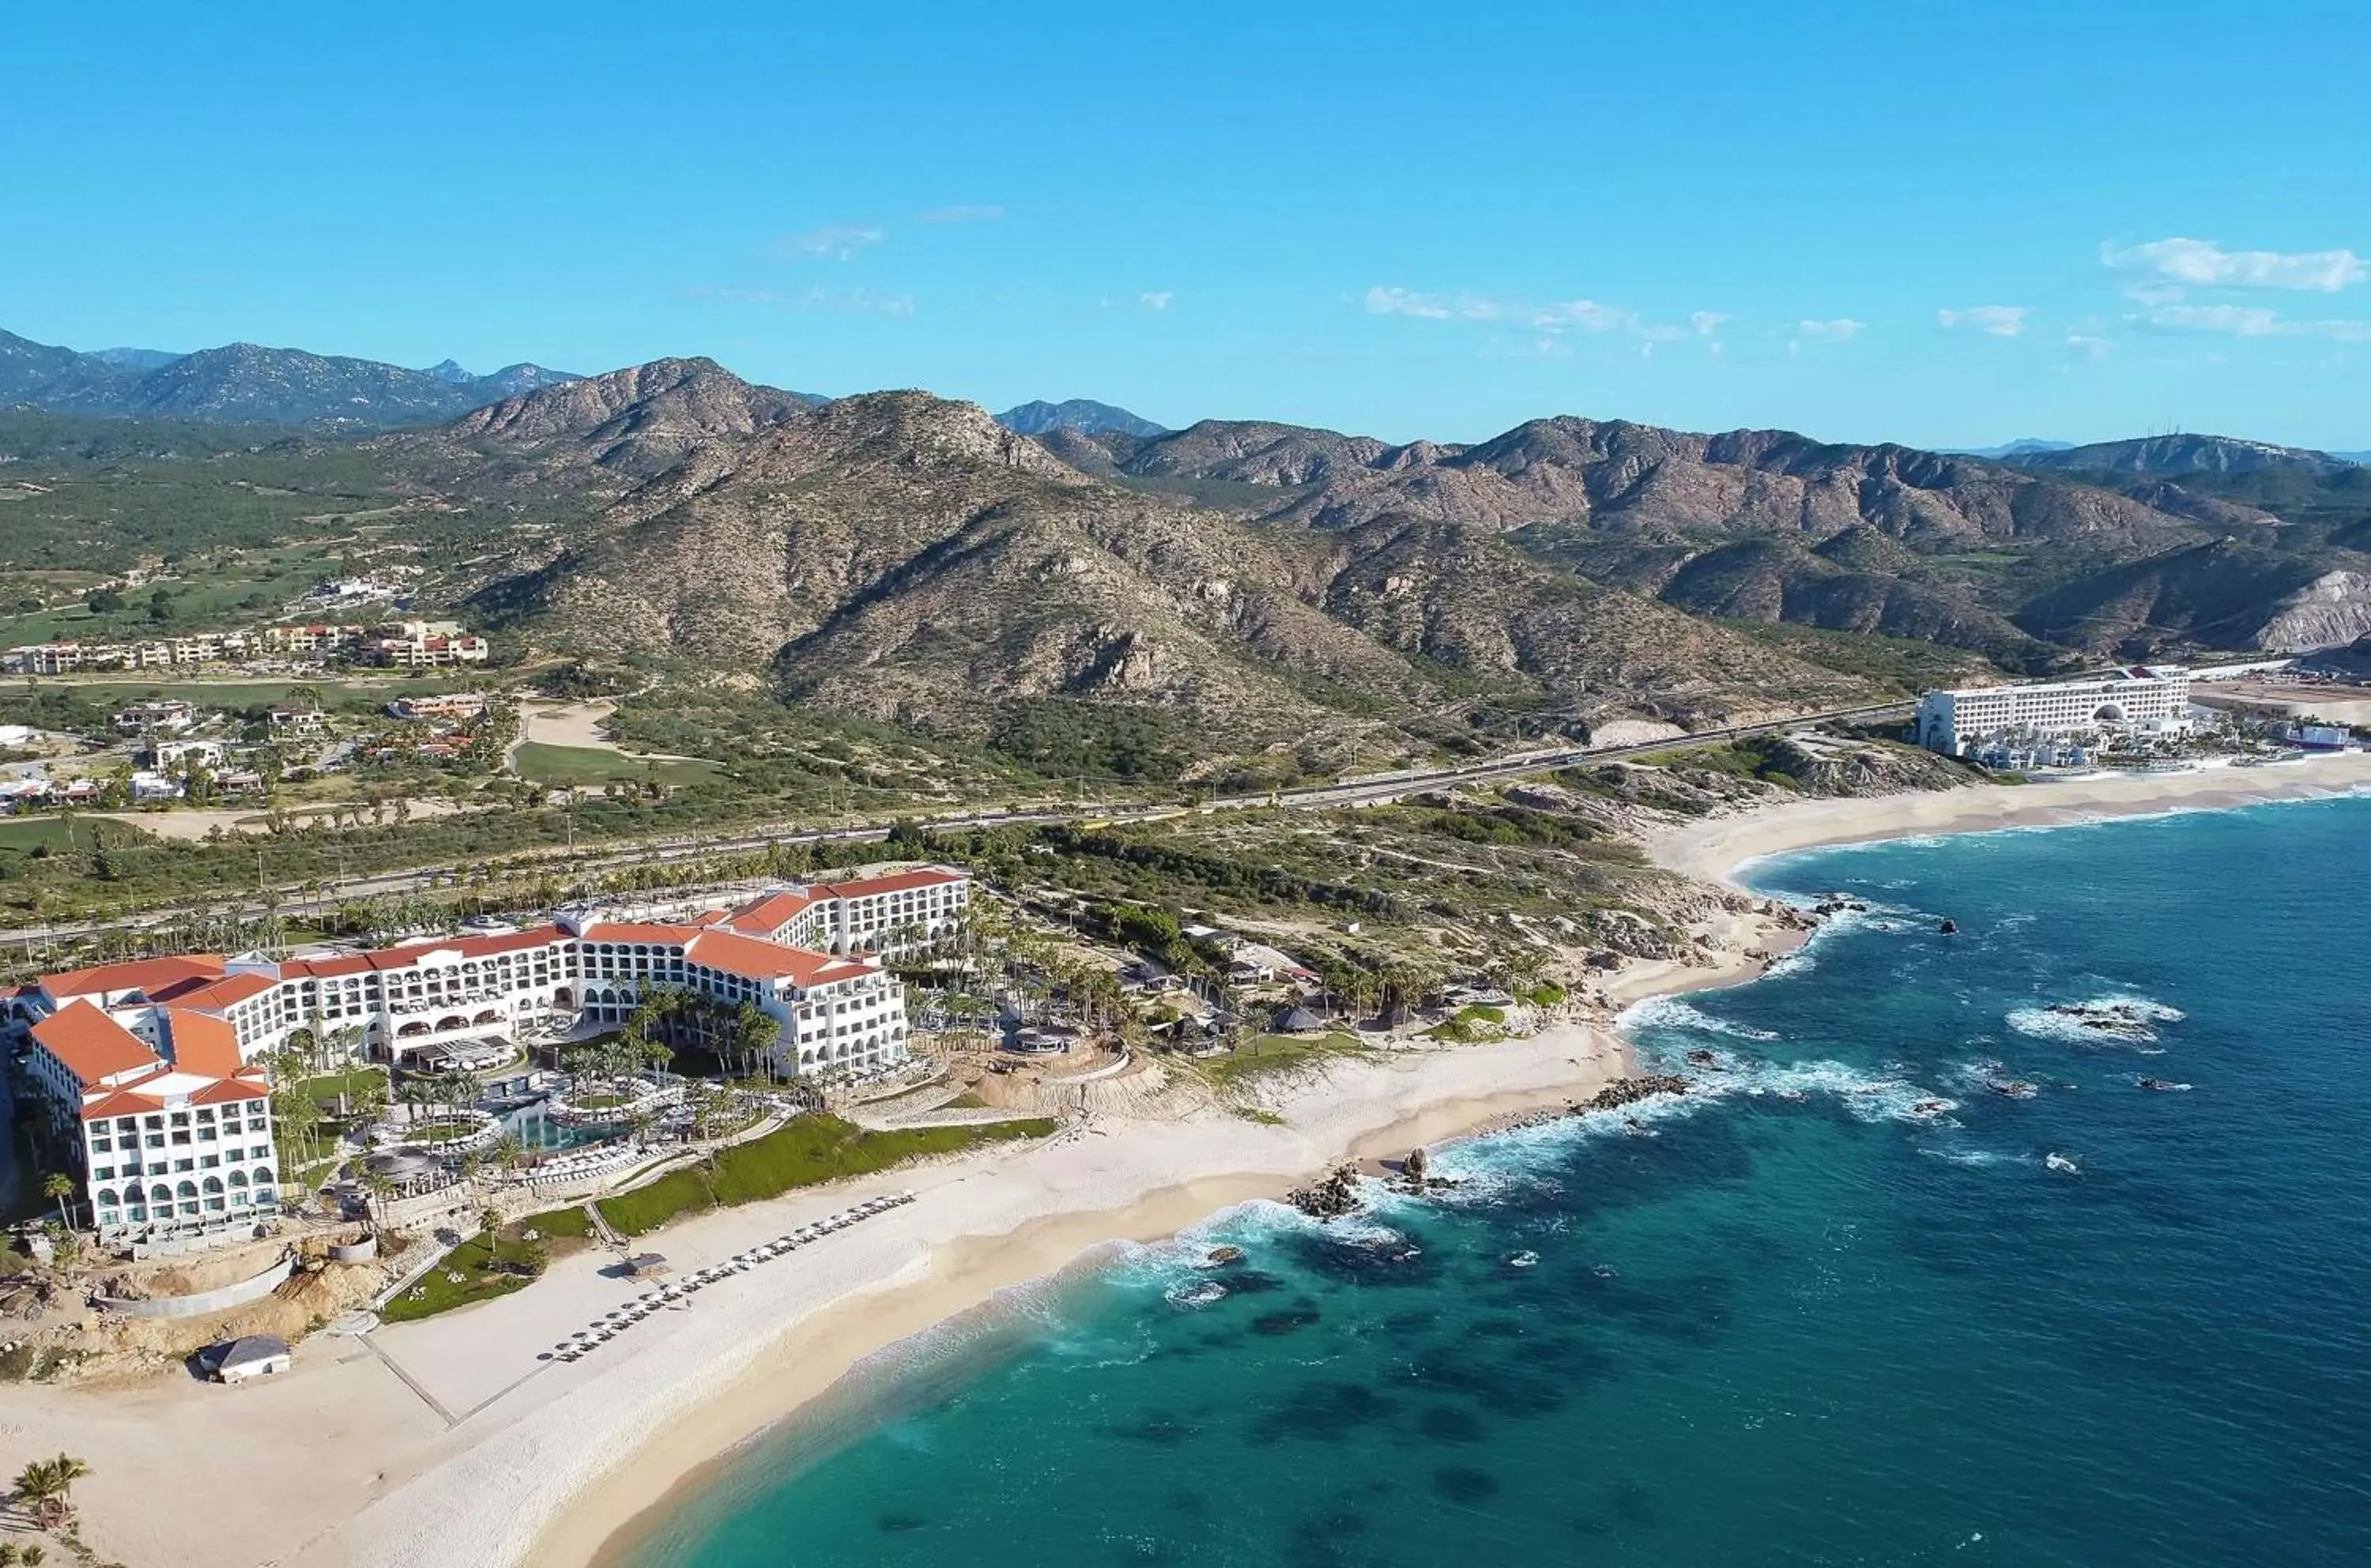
<point x="58" y="1187"/>
<point x="377" y="1191"/>
<point x="45" y="1488"/>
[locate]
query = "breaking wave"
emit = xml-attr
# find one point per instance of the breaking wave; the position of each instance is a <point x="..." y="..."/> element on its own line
<point x="2135" y="1014"/>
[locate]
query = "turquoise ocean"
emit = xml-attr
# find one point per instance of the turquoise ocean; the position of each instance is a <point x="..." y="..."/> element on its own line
<point x="1791" y="1320"/>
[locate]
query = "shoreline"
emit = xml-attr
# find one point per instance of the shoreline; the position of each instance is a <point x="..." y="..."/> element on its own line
<point x="528" y="1493"/>
<point x="1717" y="849"/>
<point x="533" y="1462"/>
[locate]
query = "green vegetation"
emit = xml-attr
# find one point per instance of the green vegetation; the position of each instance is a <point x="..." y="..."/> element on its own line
<point x="1471" y="1026"/>
<point x="1266" y="1055"/>
<point x="571" y="1222"/>
<point x="808" y="1152"/>
<point x="487" y="1265"/>
<point x="356" y="1083"/>
<point x="1059" y="737"/>
<point x="1753" y="757"/>
<point x="571" y="766"/>
<point x="37" y="833"/>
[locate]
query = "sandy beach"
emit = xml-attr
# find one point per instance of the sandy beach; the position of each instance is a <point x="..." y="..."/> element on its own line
<point x="454" y="1440"/>
<point x="1713" y="848"/>
<point x="757" y="1348"/>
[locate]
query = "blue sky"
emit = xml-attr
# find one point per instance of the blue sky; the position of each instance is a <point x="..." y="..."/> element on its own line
<point x="1944" y="224"/>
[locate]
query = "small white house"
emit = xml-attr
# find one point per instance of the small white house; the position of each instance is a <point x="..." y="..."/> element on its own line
<point x="253" y="1355"/>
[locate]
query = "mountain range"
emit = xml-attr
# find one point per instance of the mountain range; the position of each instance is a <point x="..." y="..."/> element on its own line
<point x="246" y="384"/>
<point x="913" y="559"/>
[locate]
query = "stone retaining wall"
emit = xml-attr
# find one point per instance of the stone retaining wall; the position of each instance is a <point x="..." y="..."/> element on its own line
<point x="221" y="1299"/>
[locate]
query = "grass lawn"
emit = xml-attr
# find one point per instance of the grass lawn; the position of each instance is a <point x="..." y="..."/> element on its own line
<point x="599" y="1102"/>
<point x="1267" y="1053"/>
<point x="473" y="1260"/>
<point x="571" y="1221"/>
<point x="325" y="1089"/>
<point x="809" y="1151"/>
<point x="25" y="833"/>
<point x="545" y="763"/>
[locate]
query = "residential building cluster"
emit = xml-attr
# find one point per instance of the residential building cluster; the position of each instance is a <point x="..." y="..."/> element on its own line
<point x="2144" y="702"/>
<point x="410" y="644"/>
<point x="150" y="1067"/>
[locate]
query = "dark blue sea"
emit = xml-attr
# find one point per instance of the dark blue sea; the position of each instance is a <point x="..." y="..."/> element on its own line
<point x="1792" y="1319"/>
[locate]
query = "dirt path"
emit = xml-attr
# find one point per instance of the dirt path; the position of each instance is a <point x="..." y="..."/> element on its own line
<point x="189" y="826"/>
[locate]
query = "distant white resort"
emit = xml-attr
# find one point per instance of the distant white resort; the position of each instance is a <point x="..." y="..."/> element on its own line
<point x="156" y="1061"/>
<point x="2144" y="702"/>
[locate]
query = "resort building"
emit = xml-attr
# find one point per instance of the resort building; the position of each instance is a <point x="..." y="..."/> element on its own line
<point x="156" y="1060"/>
<point x="896" y="914"/>
<point x="2142" y="702"/>
<point x="435" y="708"/>
<point x="173" y="1127"/>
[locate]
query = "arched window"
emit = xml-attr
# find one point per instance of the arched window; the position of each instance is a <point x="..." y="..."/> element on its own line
<point x="214" y="1184"/>
<point x="107" y="1197"/>
<point x="238" y="1178"/>
<point x="161" y="1194"/>
<point x="187" y="1189"/>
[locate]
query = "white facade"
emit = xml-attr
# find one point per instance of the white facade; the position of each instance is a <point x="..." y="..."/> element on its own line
<point x="2142" y="701"/>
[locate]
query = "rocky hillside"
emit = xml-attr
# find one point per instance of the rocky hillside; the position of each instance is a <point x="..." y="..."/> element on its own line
<point x="2172" y="456"/>
<point x="908" y="558"/>
<point x="2019" y="561"/>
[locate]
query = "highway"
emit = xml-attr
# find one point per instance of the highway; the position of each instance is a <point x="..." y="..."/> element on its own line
<point x="296" y="901"/>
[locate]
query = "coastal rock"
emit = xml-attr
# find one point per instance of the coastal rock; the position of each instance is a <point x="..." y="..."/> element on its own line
<point x="1330" y="1198"/>
<point x="1630" y="1090"/>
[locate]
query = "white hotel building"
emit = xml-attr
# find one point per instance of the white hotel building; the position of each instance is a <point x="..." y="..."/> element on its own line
<point x="181" y="1036"/>
<point x="2145" y="701"/>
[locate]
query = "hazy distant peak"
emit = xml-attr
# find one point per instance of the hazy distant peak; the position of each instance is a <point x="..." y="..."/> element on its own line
<point x="1083" y="414"/>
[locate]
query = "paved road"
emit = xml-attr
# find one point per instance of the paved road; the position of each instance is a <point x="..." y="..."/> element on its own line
<point x="1368" y="790"/>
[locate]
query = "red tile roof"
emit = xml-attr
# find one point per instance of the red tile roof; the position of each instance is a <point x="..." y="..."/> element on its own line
<point x="93" y="1046"/>
<point x="143" y="974"/>
<point x="201" y="1043"/>
<point x="896" y="881"/>
<point x="639" y="931"/>
<point x="753" y="959"/>
<point x="123" y="1102"/>
<point x="230" y="1089"/>
<point x="772" y="911"/>
<point x="215" y="994"/>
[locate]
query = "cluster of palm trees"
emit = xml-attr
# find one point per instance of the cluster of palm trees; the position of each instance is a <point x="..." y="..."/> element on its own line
<point x="44" y="1491"/>
<point x="742" y="1036"/>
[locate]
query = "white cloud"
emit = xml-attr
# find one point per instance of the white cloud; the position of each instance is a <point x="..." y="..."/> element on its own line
<point x="2089" y="344"/>
<point x="1585" y="314"/>
<point x="1432" y="306"/>
<point x="1550" y="320"/>
<point x="840" y="241"/>
<point x="1155" y="299"/>
<point x="2205" y="263"/>
<point x="845" y="301"/>
<point x="961" y="213"/>
<point x="1998" y="320"/>
<point x="2238" y="320"/>
<point x="1837" y="329"/>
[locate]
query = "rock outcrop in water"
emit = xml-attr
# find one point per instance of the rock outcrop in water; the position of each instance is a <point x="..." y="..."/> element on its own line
<point x="1630" y="1090"/>
<point x="1330" y="1198"/>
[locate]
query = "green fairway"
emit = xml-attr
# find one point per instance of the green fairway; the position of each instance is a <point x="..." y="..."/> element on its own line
<point x="25" y="833"/>
<point x="545" y="763"/>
